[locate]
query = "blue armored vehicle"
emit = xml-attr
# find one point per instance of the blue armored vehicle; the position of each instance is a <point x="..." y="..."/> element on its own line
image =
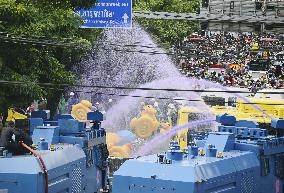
<point x="64" y="156"/>
<point x="239" y="158"/>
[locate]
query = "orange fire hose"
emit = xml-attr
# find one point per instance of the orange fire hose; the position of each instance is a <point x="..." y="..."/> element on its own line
<point x="38" y="156"/>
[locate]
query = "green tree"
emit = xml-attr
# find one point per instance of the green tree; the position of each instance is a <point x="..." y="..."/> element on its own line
<point x="49" y="21"/>
<point x="168" y="31"/>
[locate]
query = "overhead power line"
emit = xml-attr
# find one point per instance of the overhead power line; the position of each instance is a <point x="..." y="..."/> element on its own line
<point x="137" y="51"/>
<point x="10" y="38"/>
<point x="137" y="88"/>
<point x="178" y="99"/>
<point x="206" y="101"/>
<point x="44" y="41"/>
<point x="128" y="45"/>
<point x="204" y="17"/>
<point x="38" y="41"/>
<point x="16" y="38"/>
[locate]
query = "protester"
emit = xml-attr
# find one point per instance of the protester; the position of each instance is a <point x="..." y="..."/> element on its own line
<point x="73" y="100"/>
<point x="233" y="53"/>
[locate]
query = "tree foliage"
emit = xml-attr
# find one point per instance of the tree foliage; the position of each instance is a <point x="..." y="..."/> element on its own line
<point x="40" y="20"/>
<point x="55" y="20"/>
<point x="168" y="31"/>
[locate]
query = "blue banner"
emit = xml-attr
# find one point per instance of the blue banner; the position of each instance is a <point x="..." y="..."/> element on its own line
<point x="108" y="14"/>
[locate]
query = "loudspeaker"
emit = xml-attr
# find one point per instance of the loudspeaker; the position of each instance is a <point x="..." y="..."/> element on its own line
<point x="204" y="25"/>
<point x="258" y="5"/>
<point x="232" y="5"/>
<point x="270" y="7"/>
<point x="257" y="27"/>
<point x="204" y="3"/>
<point x="269" y="26"/>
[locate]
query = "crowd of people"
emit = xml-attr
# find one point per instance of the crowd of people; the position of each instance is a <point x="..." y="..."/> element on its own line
<point x="229" y="59"/>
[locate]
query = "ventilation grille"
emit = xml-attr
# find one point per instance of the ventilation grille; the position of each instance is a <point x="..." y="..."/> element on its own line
<point x="76" y="180"/>
<point x="247" y="183"/>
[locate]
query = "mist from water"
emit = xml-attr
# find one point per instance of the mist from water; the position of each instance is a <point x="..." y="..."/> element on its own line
<point x="107" y="65"/>
<point x="129" y="107"/>
<point x="147" y="147"/>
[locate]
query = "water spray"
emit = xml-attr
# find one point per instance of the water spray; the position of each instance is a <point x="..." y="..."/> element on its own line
<point x="146" y="148"/>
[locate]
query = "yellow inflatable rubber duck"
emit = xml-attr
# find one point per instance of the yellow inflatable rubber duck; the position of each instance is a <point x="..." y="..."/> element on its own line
<point x="123" y="151"/>
<point x="165" y="127"/>
<point x="146" y="124"/>
<point x="149" y="110"/>
<point x="112" y="138"/>
<point x="120" y="151"/>
<point x="80" y="110"/>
